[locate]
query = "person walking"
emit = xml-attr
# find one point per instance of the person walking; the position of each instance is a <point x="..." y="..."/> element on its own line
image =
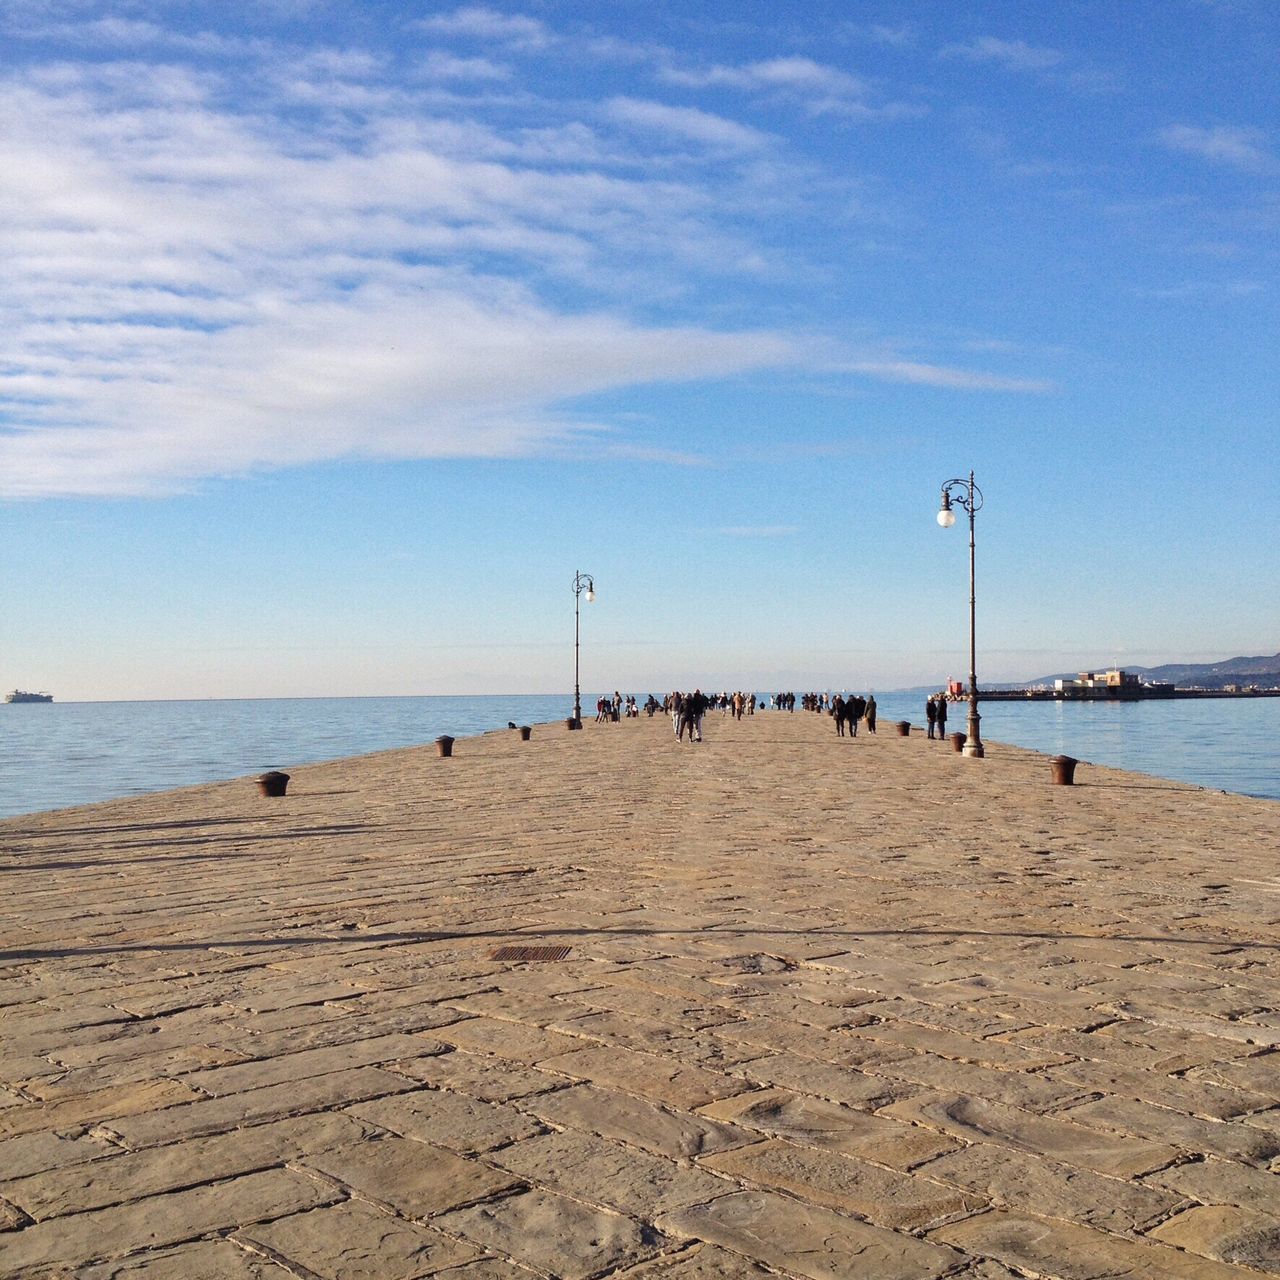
<point x="931" y="713"/>
<point x="870" y="714"/>
<point x="942" y="717"/>
<point x="837" y="711"/>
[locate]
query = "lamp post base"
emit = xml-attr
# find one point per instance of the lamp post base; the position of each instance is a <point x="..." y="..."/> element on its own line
<point x="974" y="750"/>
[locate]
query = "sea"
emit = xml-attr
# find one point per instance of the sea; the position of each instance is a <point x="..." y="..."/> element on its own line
<point x="60" y="754"/>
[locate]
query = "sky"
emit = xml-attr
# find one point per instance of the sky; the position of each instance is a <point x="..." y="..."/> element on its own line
<point x="336" y="337"/>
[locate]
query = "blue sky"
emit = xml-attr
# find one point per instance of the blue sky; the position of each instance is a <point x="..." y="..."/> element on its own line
<point x="337" y="336"/>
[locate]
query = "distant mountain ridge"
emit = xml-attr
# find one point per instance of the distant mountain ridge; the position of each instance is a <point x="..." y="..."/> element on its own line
<point x="1264" y="671"/>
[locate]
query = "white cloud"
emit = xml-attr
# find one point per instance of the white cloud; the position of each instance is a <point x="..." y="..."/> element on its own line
<point x="932" y="375"/>
<point x="478" y="22"/>
<point x="685" y="123"/>
<point x="821" y="89"/>
<point x="195" y="291"/>
<point x="1220" y="144"/>
<point x="442" y="66"/>
<point x="1013" y="55"/>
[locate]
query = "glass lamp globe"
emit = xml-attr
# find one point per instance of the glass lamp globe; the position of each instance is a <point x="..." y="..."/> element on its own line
<point x="591" y="594"/>
<point x="946" y="517"/>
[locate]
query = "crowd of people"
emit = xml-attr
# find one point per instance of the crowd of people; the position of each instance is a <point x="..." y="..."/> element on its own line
<point x="687" y="710"/>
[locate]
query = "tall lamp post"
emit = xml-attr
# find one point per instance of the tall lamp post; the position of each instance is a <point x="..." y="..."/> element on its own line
<point x="583" y="583"/>
<point x="966" y="495"/>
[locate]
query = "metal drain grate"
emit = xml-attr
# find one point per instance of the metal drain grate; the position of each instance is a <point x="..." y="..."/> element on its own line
<point x="531" y="953"/>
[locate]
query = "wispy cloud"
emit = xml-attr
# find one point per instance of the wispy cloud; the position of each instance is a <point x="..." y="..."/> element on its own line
<point x="478" y="22"/>
<point x="932" y="375"/>
<point x="819" y="88"/>
<point x="687" y="123"/>
<point x="1013" y="55"/>
<point x="1239" y="148"/>
<point x="195" y="290"/>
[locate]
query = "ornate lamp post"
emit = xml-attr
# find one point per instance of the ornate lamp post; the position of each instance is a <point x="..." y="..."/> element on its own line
<point x="966" y="495"/>
<point x="582" y="583"/>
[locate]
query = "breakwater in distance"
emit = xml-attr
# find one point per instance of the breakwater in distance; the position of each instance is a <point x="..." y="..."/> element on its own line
<point x="68" y="753"/>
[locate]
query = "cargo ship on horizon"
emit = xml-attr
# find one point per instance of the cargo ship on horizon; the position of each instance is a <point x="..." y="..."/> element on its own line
<point x="21" y="695"/>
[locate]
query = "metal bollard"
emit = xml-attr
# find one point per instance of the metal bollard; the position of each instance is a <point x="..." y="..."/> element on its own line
<point x="444" y="745"/>
<point x="273" y="783"/>
<point x="1064" y="770"/>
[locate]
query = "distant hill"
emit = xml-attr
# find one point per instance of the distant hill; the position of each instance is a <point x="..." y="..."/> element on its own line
<point x="1263" y="671"/>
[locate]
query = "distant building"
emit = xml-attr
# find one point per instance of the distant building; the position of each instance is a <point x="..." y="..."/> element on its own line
<point x="1111" y="684"/>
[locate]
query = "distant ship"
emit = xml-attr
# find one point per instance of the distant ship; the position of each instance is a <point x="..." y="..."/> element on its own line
<point x="20" y="695"/>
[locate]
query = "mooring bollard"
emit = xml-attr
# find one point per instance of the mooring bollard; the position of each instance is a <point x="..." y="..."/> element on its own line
<point x="526" y="732"/>
<point x="273" y="783"/>
<point x="903" y="727"/>
<point x="444" y="745"/>
<point x="572" y="723"/>
<point x="1064" y="770"/>
<point x="957" y="741"/>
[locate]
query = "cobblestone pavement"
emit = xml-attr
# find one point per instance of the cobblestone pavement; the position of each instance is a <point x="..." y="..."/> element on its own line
<point x="830" y="1008"/>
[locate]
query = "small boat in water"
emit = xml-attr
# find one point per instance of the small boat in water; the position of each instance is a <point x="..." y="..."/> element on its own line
<point x="21" y="695"/>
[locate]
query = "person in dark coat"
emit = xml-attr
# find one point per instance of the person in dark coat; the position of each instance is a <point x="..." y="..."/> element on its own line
<point x="870" y="713"/>
<point x="931" y="713"/>
<point x="942" y="717"/>
<point x="837" y="714"/>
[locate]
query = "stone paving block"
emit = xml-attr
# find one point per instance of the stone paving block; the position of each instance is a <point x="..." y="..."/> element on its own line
<point x="508" y="1039"/>
<point x="483" y="1078"/>
<point x="1032" y="1091"/>
<point x="449" y="1119"/>
<point x="1258" y="1073"/>
<point x="701" y="1262"/>
<point x="1226" y="1233"/>
<point x="626" y="1033"/>
<point x="143" y="1069"/>
<point x="252" y="1041"/>
<point x="807" y="1240"/>
<point x="37" y="1152"/>
<point x="161" y="1220"/>
<point x="1195" y="1097"/>
<point x="829" y="1126"/>
<point x="847" y="1184"/>
<point x="635" y="1121"/>
<point x="1226" y="1138"/>
<point x="352" y="1240"/>
<point x="217" y="1115"/>
<point x="849" y="1086"/>
<point x="969" y="1022"/>
<point x="1028" y="1183"/>
<point x="599" y="1171"/>
<point x="281" y="1067"/>
<point x="550" y="1233"/>
<point x="126" y="1176"/>
<point x="11" y="1217"/>
<point x="205" y="1260"/>
<point x="667" y="1010"/>
<point x="1203" y="1030"/>
<point x="82" y="1110"/>
<point x="1221" y="1182"/>
<point x="1068" y="1251"/>
<point x="519" y="1006"/>
<point x="485" y="1269"/>
<point x="838" y="1048"/>
<point x="973" y="1120"/>
<point x="203" y="1026"/>
<point x="1007" y="1052"/>
<point x="646" y="1074"/>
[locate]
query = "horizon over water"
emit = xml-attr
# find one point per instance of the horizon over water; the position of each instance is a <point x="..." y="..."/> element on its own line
<point x="57" y="755"/>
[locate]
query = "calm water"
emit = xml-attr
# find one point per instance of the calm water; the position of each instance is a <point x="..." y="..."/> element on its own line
<point x="59" y="754"/>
